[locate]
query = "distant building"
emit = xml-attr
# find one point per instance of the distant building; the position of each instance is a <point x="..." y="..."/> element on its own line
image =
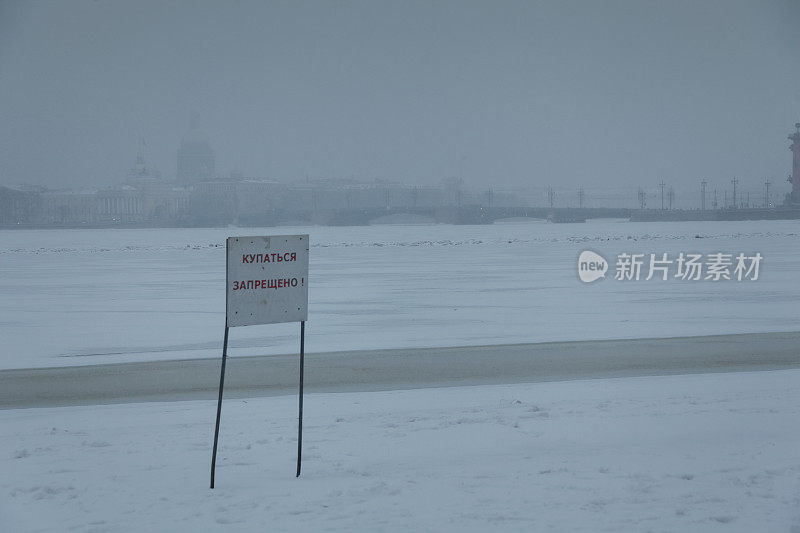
<point x="140" y="172"/>
<point x="236" y="200"/>
<point x="196" y="160"/>
<point x="122" y="204"/>
<point x="70" y="208"/>
<point x="19" y="207"/>
<point x="144" y="198"/>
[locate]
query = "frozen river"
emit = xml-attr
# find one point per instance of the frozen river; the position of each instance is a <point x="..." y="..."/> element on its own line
<point x="99" y="296"/>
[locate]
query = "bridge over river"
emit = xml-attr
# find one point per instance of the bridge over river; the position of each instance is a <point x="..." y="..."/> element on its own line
<point x="471" y="214"/>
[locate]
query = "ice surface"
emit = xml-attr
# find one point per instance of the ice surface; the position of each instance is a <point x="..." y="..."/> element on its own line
<point x="95" y="296"/>
<point x="714" y="452"/>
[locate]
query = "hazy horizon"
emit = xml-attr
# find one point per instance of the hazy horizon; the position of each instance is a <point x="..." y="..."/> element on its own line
<point x="507" y="94"/>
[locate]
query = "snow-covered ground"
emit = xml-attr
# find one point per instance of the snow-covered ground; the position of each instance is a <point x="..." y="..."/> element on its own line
<point x="705" y="452"/>
<point x="688" y="453"/>
<point x="96" y="296"/>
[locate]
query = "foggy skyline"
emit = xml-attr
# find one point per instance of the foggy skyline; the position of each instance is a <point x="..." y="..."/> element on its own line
<point x="499" y="94"/>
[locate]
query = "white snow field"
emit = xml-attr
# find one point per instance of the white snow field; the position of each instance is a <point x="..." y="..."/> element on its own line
<point x="700" y="452"/>
<point x="72" y="297"/>
<point x="703" y="452"/>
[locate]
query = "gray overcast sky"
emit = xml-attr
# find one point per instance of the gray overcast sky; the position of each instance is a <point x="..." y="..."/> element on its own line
<point x="616" y="93"/>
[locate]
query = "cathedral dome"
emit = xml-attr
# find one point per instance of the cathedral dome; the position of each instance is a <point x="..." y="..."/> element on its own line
<point x="195" y="157"/>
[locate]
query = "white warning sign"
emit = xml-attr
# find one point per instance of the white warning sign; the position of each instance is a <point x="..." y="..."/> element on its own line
<point x="267" y="280"/>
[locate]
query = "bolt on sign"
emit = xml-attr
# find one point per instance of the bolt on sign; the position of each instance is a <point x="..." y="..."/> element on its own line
<point x="267" y="280"/>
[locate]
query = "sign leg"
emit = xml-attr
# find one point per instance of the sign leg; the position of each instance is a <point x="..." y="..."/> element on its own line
<point x="219" y="404"/>
<point x="300" y="415"/>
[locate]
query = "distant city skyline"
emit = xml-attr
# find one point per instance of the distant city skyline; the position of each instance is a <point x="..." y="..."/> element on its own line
<point x="500" y="95"/>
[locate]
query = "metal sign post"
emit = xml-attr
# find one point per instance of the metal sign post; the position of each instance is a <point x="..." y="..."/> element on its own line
<point x="300" y="409"/>
<point x="266" y="283"/>
<point x="219" y="405"/>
